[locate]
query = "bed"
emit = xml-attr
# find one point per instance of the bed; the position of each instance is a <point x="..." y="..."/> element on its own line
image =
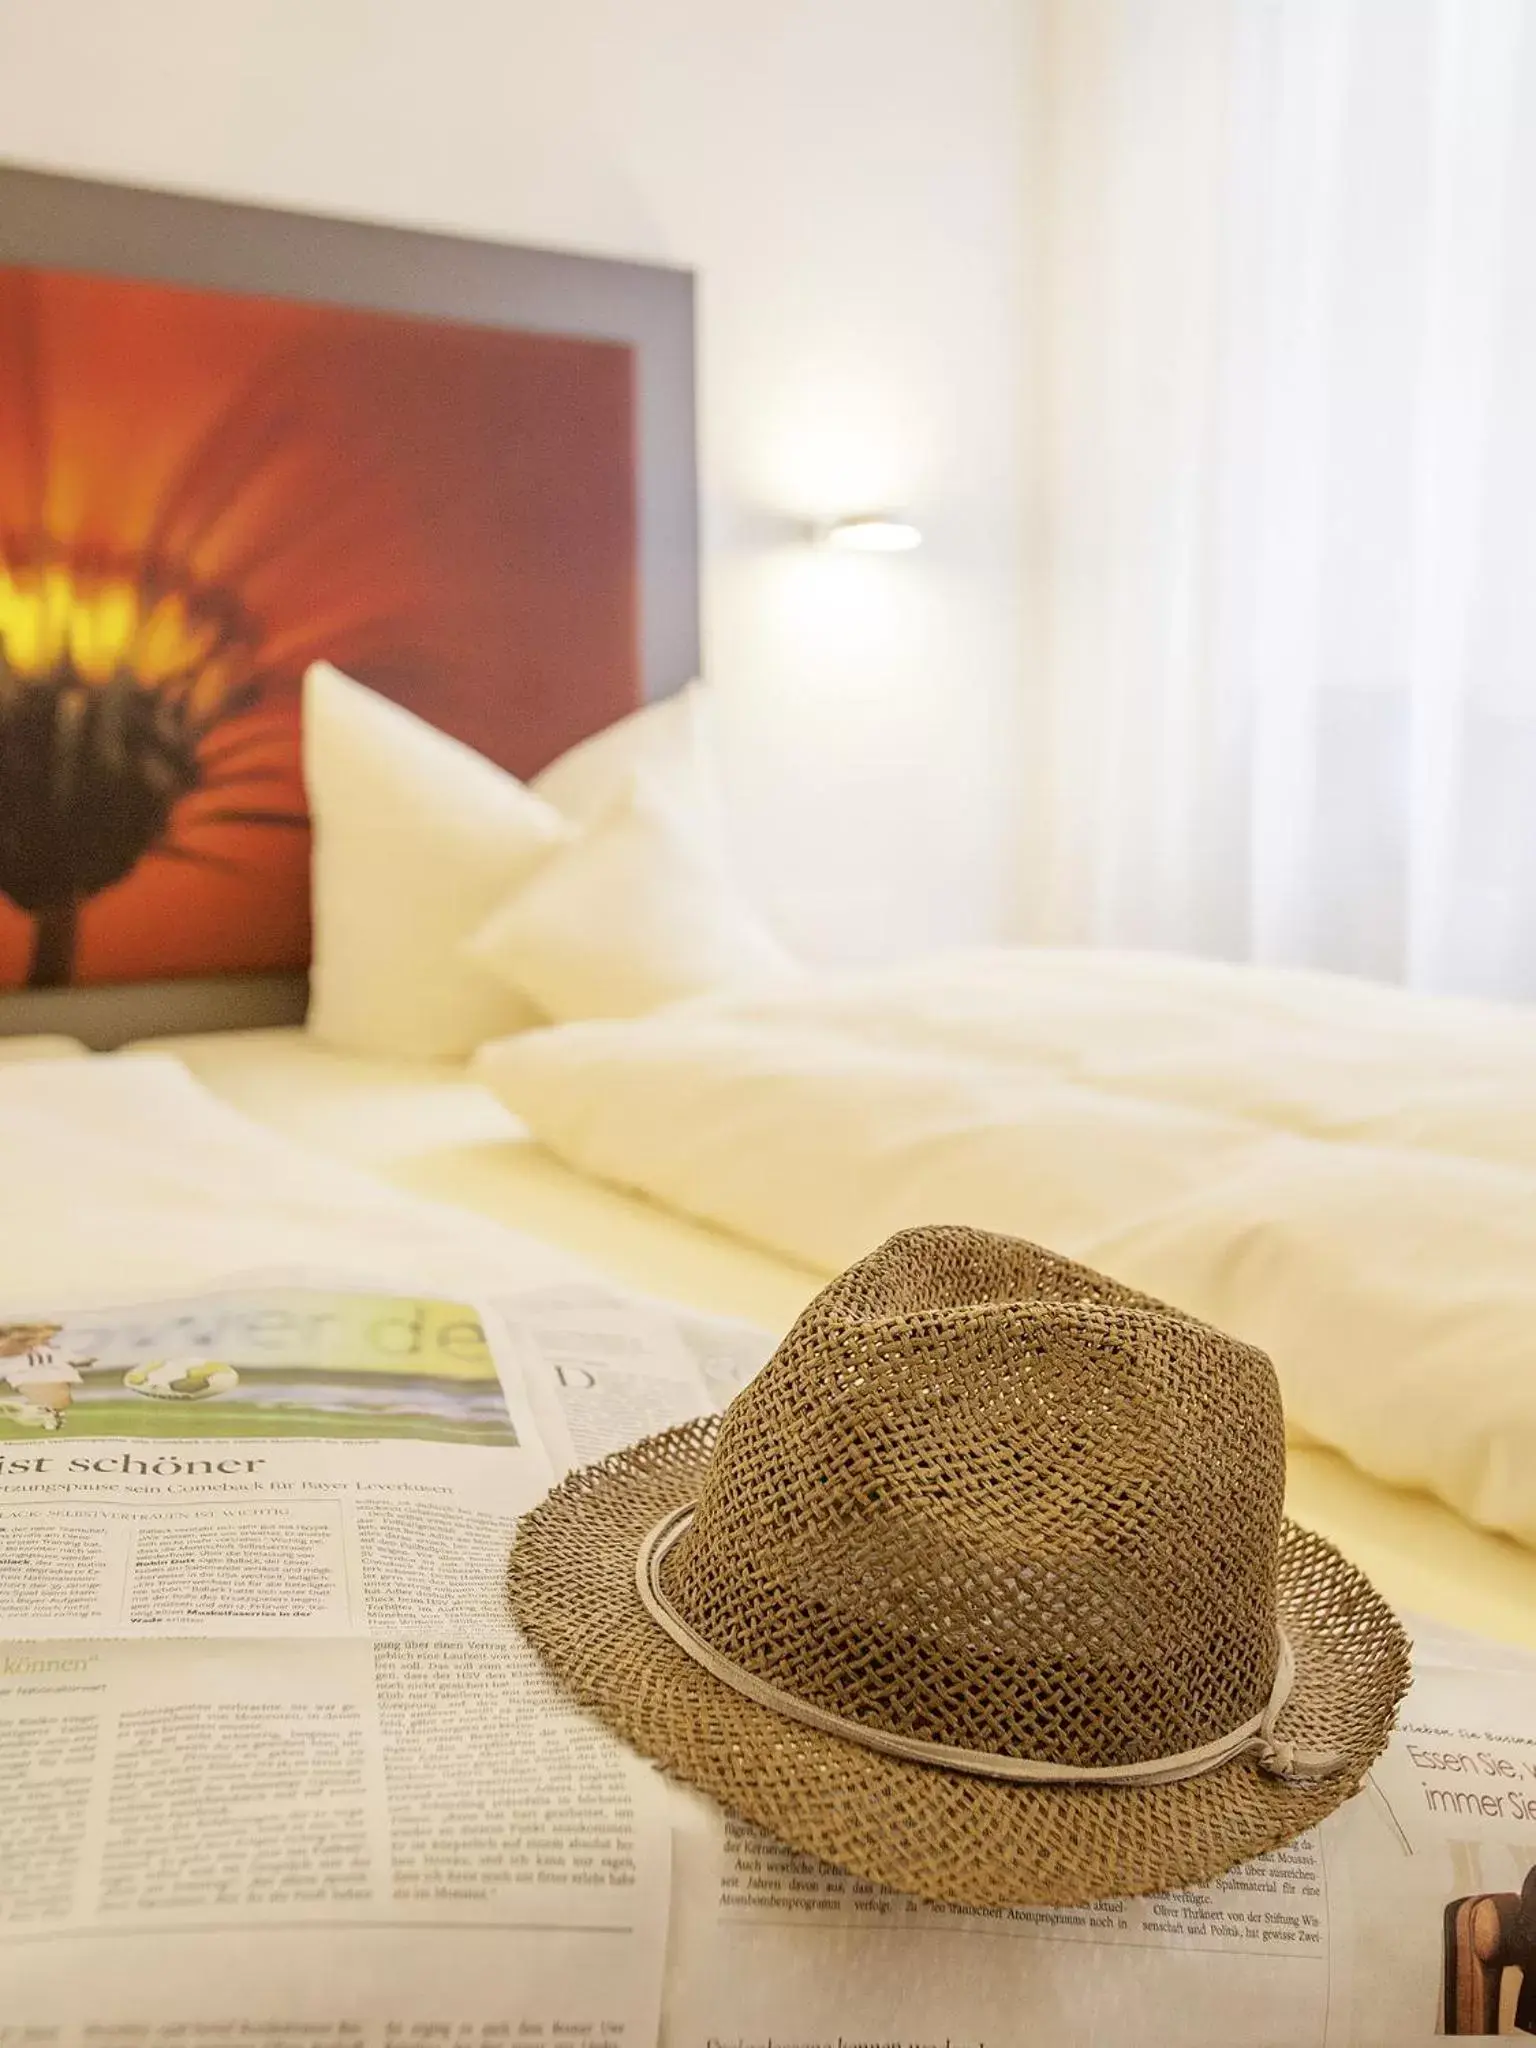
<point x="1204" y="1132"/>
<point x="433" y="1132"/>
<point x="459" y="817"/>
<point x="446" y="1137"/>
<point x="246" y="830"/>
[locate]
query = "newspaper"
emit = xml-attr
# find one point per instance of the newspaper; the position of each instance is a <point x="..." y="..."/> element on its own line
<point x="1340" y="1937"/>
<point x="604" y="1369"/>
<point x="278" y="1769"/>
<point x="275" y="1764"/>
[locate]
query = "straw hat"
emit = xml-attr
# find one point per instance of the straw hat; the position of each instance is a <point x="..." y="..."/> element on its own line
<point x="981" y="1589"/>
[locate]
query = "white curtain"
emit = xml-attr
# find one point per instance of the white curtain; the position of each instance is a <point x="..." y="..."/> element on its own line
<point x="1288" y="693"/>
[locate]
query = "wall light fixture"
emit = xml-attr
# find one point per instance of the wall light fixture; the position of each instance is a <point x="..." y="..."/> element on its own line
<point x="870" y="533"/>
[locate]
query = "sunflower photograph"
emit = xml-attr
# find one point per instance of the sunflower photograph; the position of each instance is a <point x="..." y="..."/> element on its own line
<point x="283" y="1362"/>
<point x="203" y="492"/>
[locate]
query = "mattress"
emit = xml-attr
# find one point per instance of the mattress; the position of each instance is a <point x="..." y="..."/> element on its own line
<point x="431" y="1131"/>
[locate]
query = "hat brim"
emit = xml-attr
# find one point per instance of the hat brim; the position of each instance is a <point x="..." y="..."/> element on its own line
<point x="942" y="1835"/>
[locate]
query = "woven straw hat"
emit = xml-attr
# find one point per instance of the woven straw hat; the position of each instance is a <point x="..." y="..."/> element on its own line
<point x="981" y="1590"/>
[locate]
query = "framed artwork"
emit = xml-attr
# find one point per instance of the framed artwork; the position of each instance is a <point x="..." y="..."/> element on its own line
<point x="422" y="459"/>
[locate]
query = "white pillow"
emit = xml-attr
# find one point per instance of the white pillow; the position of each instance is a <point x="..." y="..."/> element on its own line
<point x="667" y="743"/>
<point x="636" y="913"/>
<point x="417" y="838"/>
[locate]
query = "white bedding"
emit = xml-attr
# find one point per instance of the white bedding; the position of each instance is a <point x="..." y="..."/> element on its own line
<point x="428" y="1129"/>
<point x="1341" y="1173"/>
<point x="125" y="1175"/>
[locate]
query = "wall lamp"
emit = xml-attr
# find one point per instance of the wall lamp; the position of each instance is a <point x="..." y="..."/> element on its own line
<point x="869" y="533"/>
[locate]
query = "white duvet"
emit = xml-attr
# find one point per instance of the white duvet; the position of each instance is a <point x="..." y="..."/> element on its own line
<point x="1341" y="1173"/>
<point x="123" y="1177"/>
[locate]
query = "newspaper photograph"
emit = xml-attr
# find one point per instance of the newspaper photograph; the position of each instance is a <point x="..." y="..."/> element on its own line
<point x="275" y="1363"/>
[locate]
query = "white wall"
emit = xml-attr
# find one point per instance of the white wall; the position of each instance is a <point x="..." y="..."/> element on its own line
<point x="847" y="177"/>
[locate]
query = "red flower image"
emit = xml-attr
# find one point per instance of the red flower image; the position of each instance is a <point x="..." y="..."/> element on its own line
<point x="201" y="493"/>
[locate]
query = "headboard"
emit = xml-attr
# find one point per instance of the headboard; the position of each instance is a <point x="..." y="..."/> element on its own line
<point x="234" y="440"/>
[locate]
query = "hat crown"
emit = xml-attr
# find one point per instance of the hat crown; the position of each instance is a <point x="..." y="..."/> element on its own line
<point x="982" y="1496"/>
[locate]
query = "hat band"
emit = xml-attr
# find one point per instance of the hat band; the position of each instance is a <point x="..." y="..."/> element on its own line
<point x="1256" y="1736"/>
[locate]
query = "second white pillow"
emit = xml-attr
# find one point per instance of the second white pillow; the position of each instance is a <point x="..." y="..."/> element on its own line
<point x="669" y="744"/>
<point x="636" y="913"/>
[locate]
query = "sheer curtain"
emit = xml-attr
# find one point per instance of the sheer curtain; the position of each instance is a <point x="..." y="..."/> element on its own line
<point x="1288" y="702"/>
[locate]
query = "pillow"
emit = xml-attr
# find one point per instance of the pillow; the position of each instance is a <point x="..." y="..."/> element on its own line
<point x="636" y="913"/>
<point x="667" y="743"/>
<point x="417" y="838"/>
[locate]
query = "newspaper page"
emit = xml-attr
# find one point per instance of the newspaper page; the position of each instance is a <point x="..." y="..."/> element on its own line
<point x="604" y="1369"/>
<point x="1409" y="1914"/>
<point x="276" y="1766"/>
